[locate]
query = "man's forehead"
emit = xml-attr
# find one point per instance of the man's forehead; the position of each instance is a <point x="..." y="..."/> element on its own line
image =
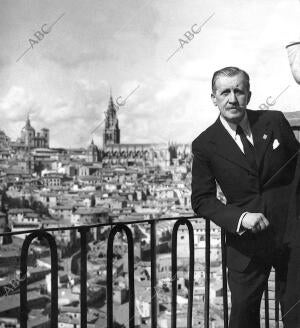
<point x="236" y="81"/>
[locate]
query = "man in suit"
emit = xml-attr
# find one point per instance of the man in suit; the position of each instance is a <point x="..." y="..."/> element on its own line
<point x="252" y="156"/>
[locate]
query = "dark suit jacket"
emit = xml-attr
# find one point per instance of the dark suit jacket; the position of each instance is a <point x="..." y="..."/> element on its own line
<point x="293" y="226"/>
<point x="217" y="158"/>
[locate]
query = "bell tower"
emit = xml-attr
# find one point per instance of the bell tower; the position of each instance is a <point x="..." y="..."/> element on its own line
<point x="111" y="135"/>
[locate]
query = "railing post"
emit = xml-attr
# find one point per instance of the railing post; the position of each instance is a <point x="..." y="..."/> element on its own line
<point x="109" y="278"/>
<point x="267" y="323"/>
<point x="153" y="276"/>
<point x="191" y="274"/>
<point x="174" y="277"/>
<point x="207" y="272"/>
<point x="276" y="301"/>
<point x="83" y="276"/>
<point x="224" y="276"/>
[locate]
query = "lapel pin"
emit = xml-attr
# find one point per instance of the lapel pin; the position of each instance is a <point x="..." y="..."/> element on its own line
<point x="265" y="136"/>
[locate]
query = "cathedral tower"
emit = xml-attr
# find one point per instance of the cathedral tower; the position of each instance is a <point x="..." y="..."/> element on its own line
<point x="92" y="153"/>
<point x="111" y="135"/>
<point x="28" y="134"/>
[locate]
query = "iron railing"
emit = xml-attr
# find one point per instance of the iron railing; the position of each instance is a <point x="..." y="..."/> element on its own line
<point x="124" y="226"/>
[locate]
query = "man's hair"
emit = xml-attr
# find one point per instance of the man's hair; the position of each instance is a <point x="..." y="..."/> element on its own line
<point x="229" y="71"/>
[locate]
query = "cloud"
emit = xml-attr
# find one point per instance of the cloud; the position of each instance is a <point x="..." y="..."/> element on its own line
<point x="64" y="84"/>
<point x="70" y="120"/>
<point x="72" y="60"/>
<point x="16" y="104"/>
<point x="168" y="110"/>
<point x="14" y="108"/>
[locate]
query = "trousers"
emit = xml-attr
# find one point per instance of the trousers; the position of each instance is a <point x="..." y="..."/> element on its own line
<point x="247" y="288"/>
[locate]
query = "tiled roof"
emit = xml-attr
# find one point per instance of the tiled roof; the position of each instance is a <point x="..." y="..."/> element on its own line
<point x="10" y="302"/>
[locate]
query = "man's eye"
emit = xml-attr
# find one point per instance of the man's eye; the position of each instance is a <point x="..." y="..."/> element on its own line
<point x="239" y="92"/>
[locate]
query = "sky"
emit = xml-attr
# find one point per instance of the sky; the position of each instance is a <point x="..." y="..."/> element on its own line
<point x="64" y="79"/>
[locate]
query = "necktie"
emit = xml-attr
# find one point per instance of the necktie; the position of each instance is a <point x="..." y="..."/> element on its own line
<point x="249" y="150"/>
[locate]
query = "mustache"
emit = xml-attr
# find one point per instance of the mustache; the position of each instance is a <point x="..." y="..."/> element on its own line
<point x="235" y="107"/>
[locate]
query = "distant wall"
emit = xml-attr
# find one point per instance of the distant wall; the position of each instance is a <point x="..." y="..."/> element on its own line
<point x="294" y="120"/>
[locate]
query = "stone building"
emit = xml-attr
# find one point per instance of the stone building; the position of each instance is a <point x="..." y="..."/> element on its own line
<point x="149" y="154"/>
<point x="294" y="120"/>
<point x="92" y="153"/>
<point x="31" y="139"/>
<point x="4" y="140"/>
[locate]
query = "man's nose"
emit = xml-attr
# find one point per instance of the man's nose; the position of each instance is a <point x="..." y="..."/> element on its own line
<point x="232" y="97"/>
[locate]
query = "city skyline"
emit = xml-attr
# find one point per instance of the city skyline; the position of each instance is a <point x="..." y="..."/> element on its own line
<point x="31" y="137"/>
<point x="64" y="80"/>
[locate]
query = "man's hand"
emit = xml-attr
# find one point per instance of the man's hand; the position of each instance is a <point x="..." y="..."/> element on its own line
<point x="255" y="222"/>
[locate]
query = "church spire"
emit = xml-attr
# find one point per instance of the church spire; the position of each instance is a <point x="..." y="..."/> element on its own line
<point x="112" y="132"/>
<point x="28" y="120"/>
<point x="111" y="106"/>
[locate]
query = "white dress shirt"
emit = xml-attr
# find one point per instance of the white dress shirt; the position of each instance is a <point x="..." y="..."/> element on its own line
<point x="231" y="129"/>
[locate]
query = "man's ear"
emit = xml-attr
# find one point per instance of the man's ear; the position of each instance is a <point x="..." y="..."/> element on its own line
<point x="249" y="97"/>
<point x="213" y="98"/>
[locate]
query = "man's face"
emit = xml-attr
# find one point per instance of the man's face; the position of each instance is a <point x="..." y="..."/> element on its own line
<point x="232" y="97"/>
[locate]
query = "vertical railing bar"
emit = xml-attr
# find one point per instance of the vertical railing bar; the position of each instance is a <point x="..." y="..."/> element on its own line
<point x="276" y="301"/>
<point x="191" y="274"/>
<point x="130" y="275"/>
<point x="224" y="276"/>
<point x="23" y="283"/>
<point x="109" y="287"/>
<point x="83" y="276"/>
<point x="267" y="322"/>
<point x="153" y="276"/>
<point x="54" y="280"/>
<point x="207" y="273"/>
<point x="174" y="276"/>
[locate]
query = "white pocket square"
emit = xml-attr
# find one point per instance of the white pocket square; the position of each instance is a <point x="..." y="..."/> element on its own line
<point x="275" y="144"/>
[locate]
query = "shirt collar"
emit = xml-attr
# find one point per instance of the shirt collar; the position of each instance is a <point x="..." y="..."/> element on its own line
<point x="231" y="127"/>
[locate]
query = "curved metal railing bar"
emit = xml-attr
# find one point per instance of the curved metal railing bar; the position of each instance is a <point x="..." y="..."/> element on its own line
<point x="119" y="227"/>
<point x="54" y="274"/>
<point x="174" y="272"/>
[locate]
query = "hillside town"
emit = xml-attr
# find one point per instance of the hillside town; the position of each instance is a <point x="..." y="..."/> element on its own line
<point x="44" y="187"/>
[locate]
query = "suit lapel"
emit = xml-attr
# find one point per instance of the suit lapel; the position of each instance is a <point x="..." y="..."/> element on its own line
<point x="226" y="147"/>
<point x="262" y="134"/>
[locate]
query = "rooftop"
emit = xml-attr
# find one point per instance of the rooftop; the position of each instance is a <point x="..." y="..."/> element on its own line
<point x="10" y="302"/>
